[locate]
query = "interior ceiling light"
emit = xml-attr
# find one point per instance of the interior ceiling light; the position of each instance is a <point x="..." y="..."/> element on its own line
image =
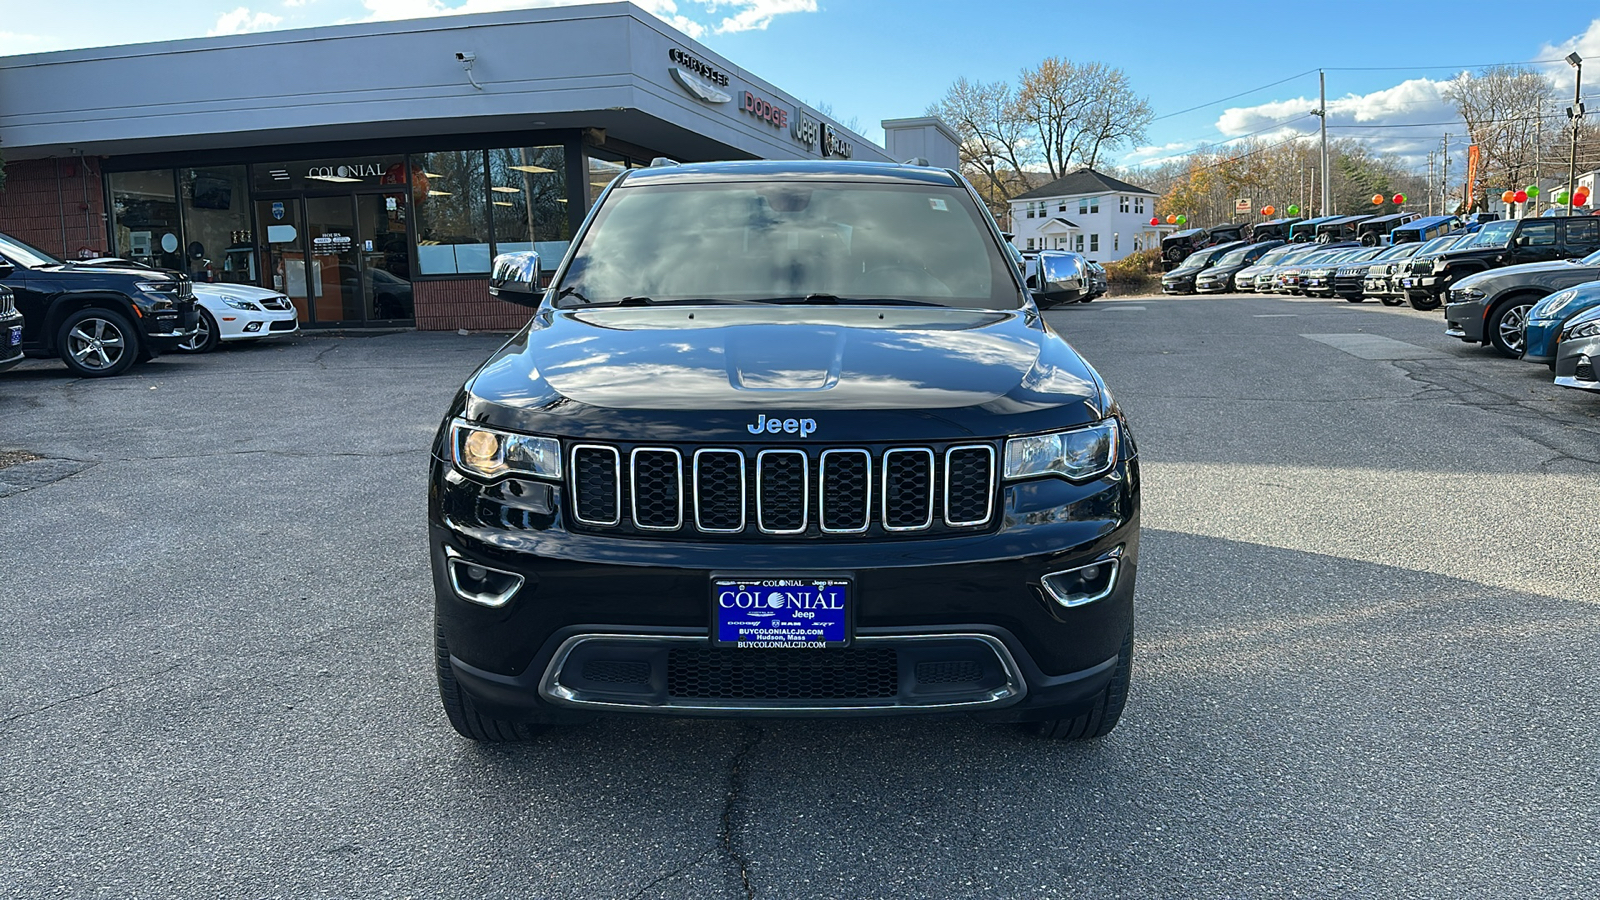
<point x="561" y="199"/>
<point x="506" y="190"/>
<point x="503" y="203"/>
<point x="431" y="175"/>
<point x="440" y="194"/>
<point x="534" y="170"/>
<point x="335" y="178"/>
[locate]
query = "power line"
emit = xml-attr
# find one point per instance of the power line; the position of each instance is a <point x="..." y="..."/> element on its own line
<point x="1233" y="96"/>
<point x="1531" y="62"/>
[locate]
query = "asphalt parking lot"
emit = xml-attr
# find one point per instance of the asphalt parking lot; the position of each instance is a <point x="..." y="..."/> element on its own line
<point x="1369" y="615"/>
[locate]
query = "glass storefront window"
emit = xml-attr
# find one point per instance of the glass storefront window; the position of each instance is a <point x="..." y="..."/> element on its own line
<point x="144" y="217"/>
<point x="528" y="199"/>
<point x="452" y="224"/>
<point x="218" y="242"/>
<point x="601" y="171"/>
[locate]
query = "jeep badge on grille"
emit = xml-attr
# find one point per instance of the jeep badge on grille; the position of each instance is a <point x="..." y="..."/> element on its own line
<point x="803" y="427"/>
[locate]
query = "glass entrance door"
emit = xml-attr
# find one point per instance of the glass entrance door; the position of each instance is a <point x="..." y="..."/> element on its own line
<point x="385" y="256"/>
<point x="335" y="261"/>
<point x="283" y="253"/>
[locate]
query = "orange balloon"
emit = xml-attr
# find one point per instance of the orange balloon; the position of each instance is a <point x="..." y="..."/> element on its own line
<point x="1172" y="219"/>
<point x="1377" y="199"/>
<point x="1508" y="197"/>
<point x="1269" y="210"/>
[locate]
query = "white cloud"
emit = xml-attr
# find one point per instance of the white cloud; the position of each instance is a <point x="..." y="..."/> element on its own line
<point x="755" y="15"/>
<point x="1587" y="46"/>
<point x="241" y="20"/>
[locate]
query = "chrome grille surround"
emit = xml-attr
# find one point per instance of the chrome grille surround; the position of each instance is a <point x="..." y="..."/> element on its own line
<point x="616" y="463"/>
<point x="866" y="499"/>
<point x="988" y="510"/>
<point x="701" y="490"/>
<point x="889" y="481"/>
<point x="634" y="489"/>
<point x="802" y="493"/>
<point x="761" y="490"/>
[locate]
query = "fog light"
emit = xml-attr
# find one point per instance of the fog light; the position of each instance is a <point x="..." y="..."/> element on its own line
<point x="480" y="584"/>
<point x="1086" y="583"/>
<point x="253" y="327"/>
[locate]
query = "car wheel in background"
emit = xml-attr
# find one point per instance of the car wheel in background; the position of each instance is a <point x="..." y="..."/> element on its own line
<point x="1356" y="299"/>
<point x="1426" y="303"/>
<point x="1103" y="712"/>
<point x="1506" y="324"/>
<point x="1393" y="301"/>
<point x="205" y="337"/>
<point x="97" y="343"/>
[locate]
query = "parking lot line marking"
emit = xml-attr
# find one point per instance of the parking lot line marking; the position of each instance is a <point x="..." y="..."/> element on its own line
<point x="1276" y="316"/>
<point x="1372" y="346"/>
<point x="1118" y="306"/>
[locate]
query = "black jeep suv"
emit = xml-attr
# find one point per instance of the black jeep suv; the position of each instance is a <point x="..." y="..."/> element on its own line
<point x="98" y="319"/>
<point x="10" y="330"/>
<point x="1507" y="242"/>
<point x="783" y="438"/>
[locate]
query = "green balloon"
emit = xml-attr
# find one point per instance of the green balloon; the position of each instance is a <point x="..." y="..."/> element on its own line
<point x="1182" y="220"/>
<point x="1562" y="197"/>
<point x="1533" y="190"/>
<point x="1294" y="210"/>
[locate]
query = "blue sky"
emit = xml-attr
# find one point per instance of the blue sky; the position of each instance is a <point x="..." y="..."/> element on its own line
<point x="876" y="59"/>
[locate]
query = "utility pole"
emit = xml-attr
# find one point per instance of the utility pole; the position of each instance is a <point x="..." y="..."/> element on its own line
<point x="1322" y="114"/>
<point x="1431" y="155"/>
<point x="1575" y="113"/>
<point x="1538" y="145"/>
<point x="1444" y="176"/>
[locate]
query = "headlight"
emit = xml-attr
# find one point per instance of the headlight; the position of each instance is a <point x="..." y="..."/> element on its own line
<point x="245" y="305"/>
<point x="1584" y="330"/>
<point x="1078" y="455"/>
<point x="161" y="291"/>
<point x="1470" y="294"/>
<point x="489" y="454"/>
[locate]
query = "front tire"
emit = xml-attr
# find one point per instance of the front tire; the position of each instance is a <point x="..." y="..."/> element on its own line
<point x="1506" y="324"/>
<point x="1425" y="303"/>
<point x="459" y="709"/>
<point x="1356" y="299"/>
<point x="97" y="343"/>
<point x="1103" y="713"/>
<point x="205" y="338"/>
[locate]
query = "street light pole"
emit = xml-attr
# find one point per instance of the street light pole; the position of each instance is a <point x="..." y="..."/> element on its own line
<point x="1322" y="113"/>
<point x="1575" y="113"/>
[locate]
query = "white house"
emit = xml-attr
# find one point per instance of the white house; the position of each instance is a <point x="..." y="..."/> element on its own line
<point x="1099" y="216"/>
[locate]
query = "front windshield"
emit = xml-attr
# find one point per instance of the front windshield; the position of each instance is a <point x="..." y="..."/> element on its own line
<point x="1439" y="244"/>
<point x="790" y="241"/>
<point x="1274" y="257"/>
<point x="1592" y="259"/>
<point x="27" y="256"/>
<point x="1399" y="251"/>
<point x="1494" y="234"/>
<point x="1236" y="258"/>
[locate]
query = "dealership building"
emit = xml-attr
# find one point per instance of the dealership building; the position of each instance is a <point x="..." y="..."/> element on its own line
<point x="372" y="171"/>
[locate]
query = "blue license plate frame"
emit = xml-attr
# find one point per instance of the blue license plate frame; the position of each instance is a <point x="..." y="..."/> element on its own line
<point x="783" y="611"/>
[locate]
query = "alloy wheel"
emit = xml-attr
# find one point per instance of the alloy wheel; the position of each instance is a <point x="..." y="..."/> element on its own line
<point x="96" y="343"/>
<point x="197" y="342"/>
<point x="1512" y="327"/>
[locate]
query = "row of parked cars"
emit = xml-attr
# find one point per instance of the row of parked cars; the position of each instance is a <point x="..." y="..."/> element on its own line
<point x="101" y="316"/>
<point x="1530" y="288"/>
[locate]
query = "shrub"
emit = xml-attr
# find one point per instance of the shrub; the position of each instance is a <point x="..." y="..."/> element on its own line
<point x="1136" y="273"/>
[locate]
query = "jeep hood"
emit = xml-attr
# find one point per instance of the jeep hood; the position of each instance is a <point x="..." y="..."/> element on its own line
<point x="625" y="364"/>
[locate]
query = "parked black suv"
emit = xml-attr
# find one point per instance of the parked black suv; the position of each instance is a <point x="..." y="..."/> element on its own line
<point x="783" y="438"/>
<point x="10" y="330"/>
<point x="1176" y="247"/>
<point x="1507" y="242"/>
<point x="99" y="320"/>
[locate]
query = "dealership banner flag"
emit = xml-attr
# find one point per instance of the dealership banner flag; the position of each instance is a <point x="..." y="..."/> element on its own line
<point x="1472" y="172"/>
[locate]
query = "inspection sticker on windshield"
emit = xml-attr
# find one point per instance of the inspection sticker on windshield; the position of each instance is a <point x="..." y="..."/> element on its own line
<point x="938" y="203"/>
<point x="757" y="613"/>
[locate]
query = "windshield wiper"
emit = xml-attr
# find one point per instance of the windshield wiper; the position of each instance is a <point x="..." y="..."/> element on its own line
<point x="836" y="300"/>
<point x="571" y="291"/>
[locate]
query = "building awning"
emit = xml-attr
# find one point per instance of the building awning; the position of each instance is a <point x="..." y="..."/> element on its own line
<point x="1057" y="225"/>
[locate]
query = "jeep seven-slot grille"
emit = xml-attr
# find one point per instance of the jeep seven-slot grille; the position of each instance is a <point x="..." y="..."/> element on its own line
<point x="777" y="492"/>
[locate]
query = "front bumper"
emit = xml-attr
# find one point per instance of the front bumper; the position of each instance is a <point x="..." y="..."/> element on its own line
<point x="166" y="329"/>
<point x="1177" y="285"/>
<point x="10" y="341"/>
<point x="243" y="325"/>
<point x="1464" y="320"/>
<point x="1539" y="342"/>
<point x="590" y="605"/>
<point x="1576" y="364"/>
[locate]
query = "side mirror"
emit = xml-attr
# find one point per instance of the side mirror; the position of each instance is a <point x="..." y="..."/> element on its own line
<point x="514" y="278"/>
<point x="1061" y="277"/>
<point x="6" y="269"/>
<point x="1522" y="240"/>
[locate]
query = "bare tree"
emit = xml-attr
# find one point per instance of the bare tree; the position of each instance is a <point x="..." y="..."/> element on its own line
<point x="1079" y="110"/>
<point x="1501" y="106"/>
<point x="994" y="138"/>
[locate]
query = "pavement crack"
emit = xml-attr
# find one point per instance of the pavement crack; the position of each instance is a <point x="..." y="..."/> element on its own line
<point x="731" y="847"/>
<point x="87" y="694"/>
<point x="668" y="876"/>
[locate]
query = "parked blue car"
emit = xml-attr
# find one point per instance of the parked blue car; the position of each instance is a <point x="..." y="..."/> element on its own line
<point x="1547" y="317"/>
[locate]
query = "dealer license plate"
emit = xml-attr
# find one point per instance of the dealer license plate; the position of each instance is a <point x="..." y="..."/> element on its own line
<point x="16" y="336"/>
<point x="781" y="612"/>
<point x="1408" y="282"/>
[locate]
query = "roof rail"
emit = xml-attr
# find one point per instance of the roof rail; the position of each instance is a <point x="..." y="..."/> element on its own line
<point x="661" y="162"/>
<point x="915" y="161"/>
